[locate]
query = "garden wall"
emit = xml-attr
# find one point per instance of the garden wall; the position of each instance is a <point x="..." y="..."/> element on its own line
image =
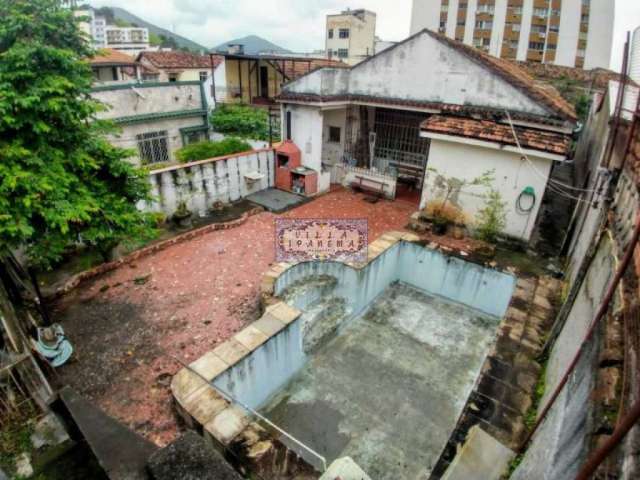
<point x="200" y="184"/>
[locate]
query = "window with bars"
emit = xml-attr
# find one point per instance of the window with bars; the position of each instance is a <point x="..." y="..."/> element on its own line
<point x="330" y="33"/>
<point x="204" y="76"/>
<point x="343" y="53"/>
<point x="343" y="33"/>
<point x="153" y="147"/>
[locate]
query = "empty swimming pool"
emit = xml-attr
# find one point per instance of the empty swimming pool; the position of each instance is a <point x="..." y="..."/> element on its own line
<point x="380" y="363"/>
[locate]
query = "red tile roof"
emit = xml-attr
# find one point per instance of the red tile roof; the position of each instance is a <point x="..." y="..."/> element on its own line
<point x="109" y="56"/>
<point x="514" y="75"/>
<point x="490" y="131"/>
<point x="179" y="60"/>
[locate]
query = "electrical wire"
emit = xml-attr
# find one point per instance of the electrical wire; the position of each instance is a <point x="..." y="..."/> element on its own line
<point x="551" y="185"/>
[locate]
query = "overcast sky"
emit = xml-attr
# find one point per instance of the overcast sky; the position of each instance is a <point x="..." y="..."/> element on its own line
<point x="298" y="25"/>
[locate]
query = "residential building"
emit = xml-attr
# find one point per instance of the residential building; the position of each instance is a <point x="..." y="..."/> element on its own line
<point x="351" y="35"/>
<point x="174" y="66"/>
<point x="112" y="66"/>
<point x="93" y="26"/>
<point x="573" y="33"/>
<point x="156" y="119"/>
<point x="430" y="104"/>
<point x="257" y="79"/>
<point x="131" y="40"/>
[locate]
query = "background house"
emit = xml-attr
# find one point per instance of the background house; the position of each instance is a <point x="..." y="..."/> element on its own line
<point x="175" y="66"/>
<point x="257" y="79"/>
<point x="430" y="102"/>
<point x="351" y="35"/>
<point x="156" y="119"/>
<point x="110" y="66"/>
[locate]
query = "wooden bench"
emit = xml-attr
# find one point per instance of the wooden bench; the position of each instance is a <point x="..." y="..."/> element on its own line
<point x="377" y="188"/>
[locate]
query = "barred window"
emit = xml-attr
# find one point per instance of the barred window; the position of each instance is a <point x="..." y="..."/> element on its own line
<point x="153" y="147"/>
<point x="343" y="33"/>
<point x="343" y="52"/>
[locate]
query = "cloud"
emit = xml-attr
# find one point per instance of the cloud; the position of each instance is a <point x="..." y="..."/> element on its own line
<point x="297" y="25"/>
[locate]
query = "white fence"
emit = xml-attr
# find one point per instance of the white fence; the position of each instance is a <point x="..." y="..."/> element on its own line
<point x="200" y="184"/>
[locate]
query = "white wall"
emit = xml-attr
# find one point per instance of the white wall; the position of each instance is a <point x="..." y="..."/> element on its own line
<point x="142" y="100"/>
<point x="202" y="183"/>
<point x="332" y="151"/>
<point x="306" y="133"/>
<point x="425" y="14"/>
<point x="511" y="176"/>
<point x="422" y="69"/>
<point x="600" y="38"/>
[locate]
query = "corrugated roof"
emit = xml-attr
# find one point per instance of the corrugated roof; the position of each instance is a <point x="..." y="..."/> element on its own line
<point x="109" y="56"/>
<point x="490" y="131"/>
<point x="183" y="60"/>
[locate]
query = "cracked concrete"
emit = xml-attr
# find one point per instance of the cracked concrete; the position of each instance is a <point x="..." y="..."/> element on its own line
<point x="388" y="389"/>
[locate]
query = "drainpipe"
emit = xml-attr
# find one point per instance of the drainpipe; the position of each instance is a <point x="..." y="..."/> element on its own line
<point x="626" y="424"/>
<point x="604" y="307"/>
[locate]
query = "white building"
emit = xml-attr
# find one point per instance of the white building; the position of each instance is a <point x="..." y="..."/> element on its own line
<point x="131" y="40"/>
<point x="351" y="35"/>
<point x="432" y="103"/>
<point x="156" y="119"/>
<point x="93" y="26"/>
<point x="572" y="33"/>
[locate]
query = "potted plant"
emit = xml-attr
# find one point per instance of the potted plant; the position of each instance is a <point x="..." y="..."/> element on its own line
<point x="182" y="215"/>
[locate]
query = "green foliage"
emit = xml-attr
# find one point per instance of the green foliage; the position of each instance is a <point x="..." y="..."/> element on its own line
<point x="491" y="220"/>
<point x="154" y="39"/>
<point x="582" y="105"/>
<point x="242" y="121"/>
<point x="15" y="437"/>
<point x="204" y="150"/>
<point x="61" y="181"/>
<point x="451" y="185"/>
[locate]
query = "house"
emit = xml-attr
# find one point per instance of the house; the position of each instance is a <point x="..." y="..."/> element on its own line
<point x="257" y="79"/>
<point x="113" y="66"/>
<point x="156" y="119"/>
<point x="431" y="104"/>
<point x="175" y="66"/>
<point x="351" y="35"/>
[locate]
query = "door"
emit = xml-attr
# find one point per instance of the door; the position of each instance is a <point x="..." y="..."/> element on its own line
<point x="264" y="82"/>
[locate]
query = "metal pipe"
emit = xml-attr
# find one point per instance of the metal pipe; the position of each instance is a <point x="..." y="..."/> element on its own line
<point x="592" y="464"/>
<point x="602" y="310"/>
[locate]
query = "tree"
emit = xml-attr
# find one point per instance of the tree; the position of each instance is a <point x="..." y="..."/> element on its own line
<point x="61" y="182"/>
<point x="242" y="121"/>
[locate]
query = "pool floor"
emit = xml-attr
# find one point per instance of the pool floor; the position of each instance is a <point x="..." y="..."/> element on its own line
<point x="388" y="389"/>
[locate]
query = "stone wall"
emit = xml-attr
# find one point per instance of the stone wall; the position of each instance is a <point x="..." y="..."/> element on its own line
<point x="200" y="184"/>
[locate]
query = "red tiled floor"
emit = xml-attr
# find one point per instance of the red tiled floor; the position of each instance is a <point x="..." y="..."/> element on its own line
<point x="132" y="327"/>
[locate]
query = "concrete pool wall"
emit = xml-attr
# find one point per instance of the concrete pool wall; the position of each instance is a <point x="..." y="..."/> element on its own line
<point x="259" y="360"/>
<point x="257" y="377"/>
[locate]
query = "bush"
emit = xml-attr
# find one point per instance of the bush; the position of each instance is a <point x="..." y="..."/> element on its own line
<point x="204" y="150"/>
<point x="491" y="220"/>
<point x="242" y="121"/>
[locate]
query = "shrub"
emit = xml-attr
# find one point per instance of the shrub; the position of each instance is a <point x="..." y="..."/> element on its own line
<point x="242" y="121"/>
<point x="441" y="212"/>
<point x="204" y="150"/>
<point x="491" y="220"/>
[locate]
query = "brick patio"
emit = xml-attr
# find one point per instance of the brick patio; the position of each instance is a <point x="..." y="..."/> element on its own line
<point x="133" y="326"/>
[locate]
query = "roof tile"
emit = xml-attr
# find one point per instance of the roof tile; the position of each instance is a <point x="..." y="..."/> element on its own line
<point x="174" y="59"/>
<point x="491" y="131"/>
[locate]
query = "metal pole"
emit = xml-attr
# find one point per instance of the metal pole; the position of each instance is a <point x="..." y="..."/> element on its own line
<point x="604" y="307"/>
<point x="626" y="424"/>
<point x="213" y="79"/>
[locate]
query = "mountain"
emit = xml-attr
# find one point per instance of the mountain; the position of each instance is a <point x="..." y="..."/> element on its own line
<point x="120" y="15"/>
<point x="253" y="45"/>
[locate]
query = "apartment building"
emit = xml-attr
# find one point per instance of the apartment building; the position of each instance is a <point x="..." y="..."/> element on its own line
<point x="351" y="35"/>
<point x="131" y="40"/>
<point x="572" y="33"/>
<point x="93" y="26"/>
